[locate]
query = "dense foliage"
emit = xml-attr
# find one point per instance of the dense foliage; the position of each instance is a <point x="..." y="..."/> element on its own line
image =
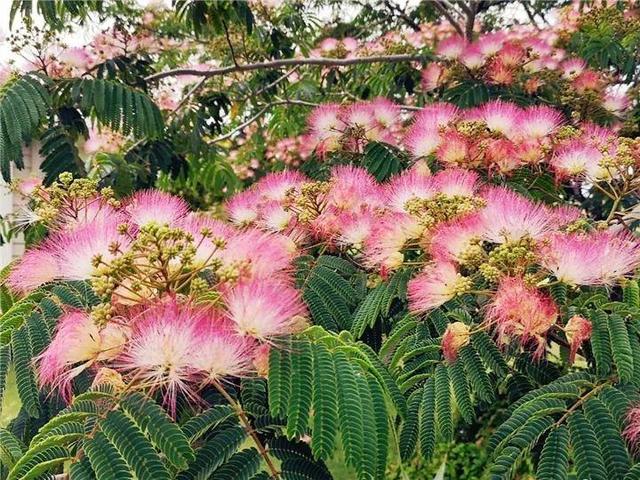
<point x="268" y="243"/>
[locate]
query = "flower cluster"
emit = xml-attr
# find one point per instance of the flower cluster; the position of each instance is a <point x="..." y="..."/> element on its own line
<point x="525" y="60"/>
<point x="334" y="127"/>
<point x="462" y="234"/>
<point x="186" y="300"/>
<point x="497" y="137"/>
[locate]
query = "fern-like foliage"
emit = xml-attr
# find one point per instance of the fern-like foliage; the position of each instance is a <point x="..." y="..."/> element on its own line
<point x="117" y="106"/>
<point x="24" y="104"/>
<point x="335" y="379"/>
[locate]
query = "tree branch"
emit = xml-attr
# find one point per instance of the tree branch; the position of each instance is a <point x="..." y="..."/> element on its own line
<point x="287" y="62"/>
<point x="443" y="9"/>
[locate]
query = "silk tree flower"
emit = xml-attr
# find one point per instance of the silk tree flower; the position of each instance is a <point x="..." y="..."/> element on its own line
<point x="67" y="255"/>
<point x="631" y="433"/>
<point x="355" y="228"/>
<point x="28" y="186"/>
<point x="436" y="115"/>
<point x="351" y="187"/>
<point x="455" y="240"/>
<point x="37" y="266"/>
<point x="472" y="57"/>
<point x="383" y="249"/>
<point x="577" y="159"/>
<point x="222" y="353"/>
<point x="103" y="140"/>
<point x="385" y="112"/>
<point x="599" y="258"/>
<point x="154" y="206"/>
<point x="578" y="330"/>
<point x="454" y="150"/>
<point x="451" y="48"/>
<point x="539" y="121"/>
<point x="501" y="117"/>
<point x="422" y="141"/>
<point x="209" y="235"/>
<point x="520" y="311"/>
<point x="243" y="208"/>
<point x="435" y="285"/>
<point x="324" y="121"/>
<point x="457" y="182"/>
<point x="408" y="185"/>
<point x="253" y="253"/>
<point x="274" y="187"/>
<point x="455" y="337"/>
<point x="265" y="309"/>
<point x="432" y="77"/>
<point x="510" y="217"/>
<point x="77" y="344"/>
<point x="573" y="67"/>
<point x="160" y="353"/>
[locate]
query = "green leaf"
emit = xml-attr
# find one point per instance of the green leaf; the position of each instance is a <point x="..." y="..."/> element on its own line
<point x="105" y="459"/>
<point x="381" y="160"/>
<point x="586" y="451"/>
<point x="620" y="347"/>
<point x="133" y="446"/>
<point x="159" y="428"/>
<point x="325" y="405"/>
<point x="554" y="460"/>
<point x="214" y="453"/>
<point x="279" y="380"/>
<point x="25" y="377"/>
<point x="349" y="410"/>
<point x="240" y="466"/>
<point x="427" y="419"/>
<point x="409" y="428"/>
<point x="444" y="421"/>
<point x="301" y="388"/>
<point x="611" y="444"/>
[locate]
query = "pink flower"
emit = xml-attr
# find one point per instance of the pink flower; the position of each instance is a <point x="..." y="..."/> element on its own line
<point x="578" y="159"/>
<point x="501" y="117"/>
<point x="432" y="77"/>
<point x="221" y="353"/>
<point x="385" y="112"/>
<point x="383" y="248"/>
<point x="616" y="102"/>
<point x="67" y="255"/>
<point x="472" y="57"/>
<point x="324" y="121"/>
<point x="160" y="353"/>
<point x="455" y="337"/>
<point x="631" y="433"/>
<point x="572" y="67"/>
<point x="511" y="217"/>
<point x="355" y="228"/>
<point x="408" y="185"/>
<point x="491" y="43"/>
<point x="457" y="182"/>
<point x="154" y="206"/>
<point x="451" y="48"/>
<point x="578" y="330"/>
<point x="599" y="258"/>
<point x="28" y="186"/>
<point x="523" y="312"/>
<point x="422" y="141"/>
<point x="351" y="186"/>
<point x="453" y="239"/>
<point x="265" y="309"/>
<point x="454" y="150"/>
<point x="253" y="253"/>
<point x="36" y="267"/>
<point x="243" y="208"/>
<point x="435" y="285"/>
<point x="77" y="344"/>
<point x="539" y="121"/>
<point x="436" y="115"/>
<point x="275" y="186"/>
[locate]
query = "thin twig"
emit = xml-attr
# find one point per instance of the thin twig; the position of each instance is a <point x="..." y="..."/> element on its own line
<point x="226" y="34"/>
<point x="287" y="62"/>
<point x="443" y="9"/>
<point x="275" y="474"/>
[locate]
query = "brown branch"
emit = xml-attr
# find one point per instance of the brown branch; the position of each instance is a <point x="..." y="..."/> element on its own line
<point x="440" y="6"/>
<point x="471" y="10"/>
<point x="287" y="62"/>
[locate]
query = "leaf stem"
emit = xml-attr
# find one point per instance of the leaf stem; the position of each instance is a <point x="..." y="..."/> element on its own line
<point x="249" y="429"/>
